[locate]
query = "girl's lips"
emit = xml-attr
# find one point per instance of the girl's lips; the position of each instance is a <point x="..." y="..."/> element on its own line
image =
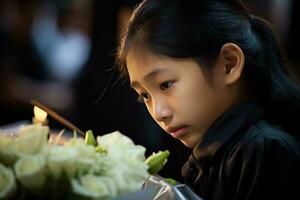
<point x="179" y="132"/>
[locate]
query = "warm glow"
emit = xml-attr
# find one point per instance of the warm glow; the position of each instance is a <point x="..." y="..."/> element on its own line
<point x="39" y="115"/>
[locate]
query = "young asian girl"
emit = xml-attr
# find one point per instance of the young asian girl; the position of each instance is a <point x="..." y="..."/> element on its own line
<point x="212" y="76"/>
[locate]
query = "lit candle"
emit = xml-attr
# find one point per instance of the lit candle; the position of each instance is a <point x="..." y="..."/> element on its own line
<point x="40" y="116"/>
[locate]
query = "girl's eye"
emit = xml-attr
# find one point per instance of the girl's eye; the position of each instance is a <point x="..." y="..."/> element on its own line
<point x="143" y="97"/>
<point x="166" y="85"/>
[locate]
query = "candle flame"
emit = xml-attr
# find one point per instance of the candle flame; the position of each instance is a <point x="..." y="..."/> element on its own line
<point x="39" y="114"/>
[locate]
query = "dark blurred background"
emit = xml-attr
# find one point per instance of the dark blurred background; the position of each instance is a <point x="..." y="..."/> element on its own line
<point x="61" y="52"/>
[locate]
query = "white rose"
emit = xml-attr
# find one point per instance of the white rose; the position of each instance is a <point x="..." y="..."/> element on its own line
<point x="75" y="141"/>
<point x="30" y="171"/>
<point x="32" y="140"/>
<point x="100" y="164"/>
<point x="7" y="146"/>
<point x="88" y="159"/>
<point x="125" y="161"/>
<point x="114" y="138"/>
<point x="136" y="152"/>
<point x="94" y="186"/>
<point x="118" y="145"/>
<point x="128" y="177"/>
<point x="62" y="159"/>
<point x="7" y="182"/>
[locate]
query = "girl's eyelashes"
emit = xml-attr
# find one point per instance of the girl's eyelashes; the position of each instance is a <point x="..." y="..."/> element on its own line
<point x="142" y="97"/>
<point x="166" y="85"/>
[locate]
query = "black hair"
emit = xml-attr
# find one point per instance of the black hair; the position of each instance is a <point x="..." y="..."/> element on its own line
<point x="199" y="28"/>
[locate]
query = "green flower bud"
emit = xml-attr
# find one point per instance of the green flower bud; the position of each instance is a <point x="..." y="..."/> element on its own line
<point x="100" y="149"/>
<point x="89" y="138"/>
<point x="156" y="161"/>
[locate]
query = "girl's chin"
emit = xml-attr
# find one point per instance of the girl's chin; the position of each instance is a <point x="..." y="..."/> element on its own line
<point x="188" y="143"/>
<point x="191" y="140"/>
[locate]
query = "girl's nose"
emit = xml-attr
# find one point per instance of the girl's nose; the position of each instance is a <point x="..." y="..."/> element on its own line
<point x="162" y="112"/>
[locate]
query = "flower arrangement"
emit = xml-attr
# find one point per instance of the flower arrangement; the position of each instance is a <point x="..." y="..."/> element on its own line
<point x="109" y="166"/>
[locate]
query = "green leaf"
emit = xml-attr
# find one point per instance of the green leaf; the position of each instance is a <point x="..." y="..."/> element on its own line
<point x="171" y="181"/>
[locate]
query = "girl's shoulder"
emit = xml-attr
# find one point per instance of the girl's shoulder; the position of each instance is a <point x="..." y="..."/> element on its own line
<point x="264" y="159"/>
<point x="264" y="140"/>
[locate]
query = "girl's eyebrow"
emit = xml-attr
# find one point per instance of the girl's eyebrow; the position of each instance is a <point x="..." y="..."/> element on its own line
<point x="148" y="76"/>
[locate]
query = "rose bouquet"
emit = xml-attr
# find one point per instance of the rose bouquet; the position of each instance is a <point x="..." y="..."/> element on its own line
<point x="109" y="166"/>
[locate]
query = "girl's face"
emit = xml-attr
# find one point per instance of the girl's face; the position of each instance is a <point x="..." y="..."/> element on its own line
<point x="177" y="95"/>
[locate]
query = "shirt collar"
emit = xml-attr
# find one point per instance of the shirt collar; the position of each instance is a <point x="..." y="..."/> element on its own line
<point x="227" y="127"/>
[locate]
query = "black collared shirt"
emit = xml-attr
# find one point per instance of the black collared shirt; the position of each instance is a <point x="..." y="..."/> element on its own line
<point x="242" y="156"/>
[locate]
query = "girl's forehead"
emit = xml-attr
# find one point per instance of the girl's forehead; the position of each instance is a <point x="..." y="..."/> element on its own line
<point x="141" y="55"/>
<point x="143" y="62"/>
<point x="139" y="65"/>
<point x="146" y="59"/>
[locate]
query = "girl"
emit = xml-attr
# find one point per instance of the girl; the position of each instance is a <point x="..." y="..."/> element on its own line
<point x="211" y="75"/>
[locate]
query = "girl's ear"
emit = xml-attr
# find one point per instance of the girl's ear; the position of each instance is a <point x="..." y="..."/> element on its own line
<point x="233" y="59"/>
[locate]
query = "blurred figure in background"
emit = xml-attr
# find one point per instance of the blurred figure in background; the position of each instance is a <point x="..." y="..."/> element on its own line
<point x="44" y="46"/>
<point x="60" y="33"/>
